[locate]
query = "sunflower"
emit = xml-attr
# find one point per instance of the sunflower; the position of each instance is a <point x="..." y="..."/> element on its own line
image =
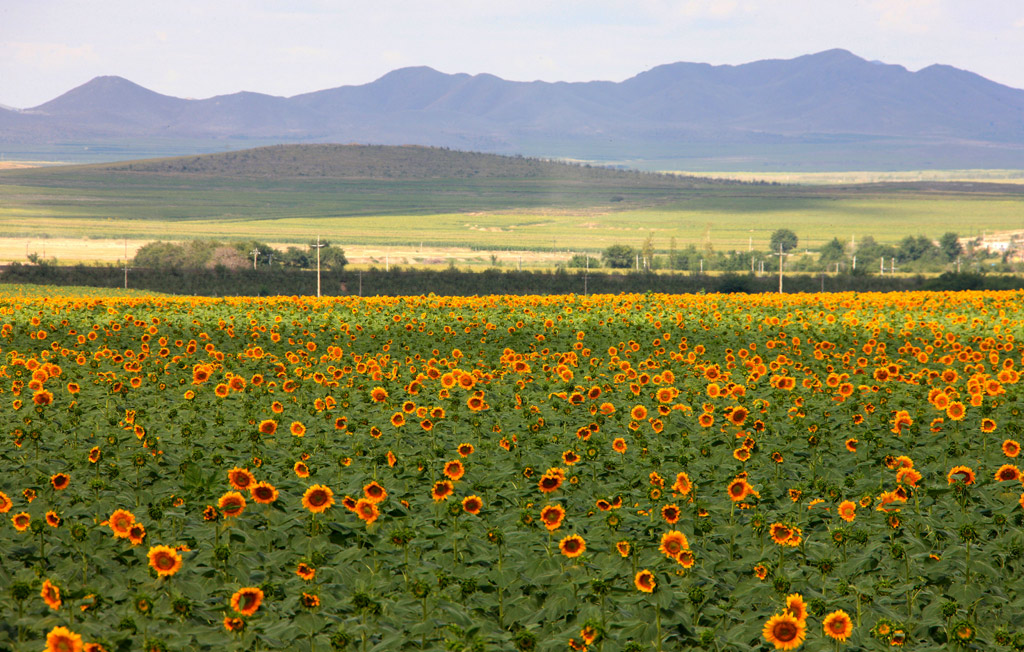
<point x="623" y="547"/>
<point x="738" y="489"/>
<point x="796" y="607"/>
<point x="956" y="411"/>
<point x="305" y="571"/>
<point x="961" y="473"/>
<point x="42" y="397"/>
<point x="909" y="476"/>
<point x="780" y="533"/>
<point x="165" y="560"/>
<point x="572" y="546"/>
<point x="738" y="415"/>
<point x="374" y="492"/>
<point x="247" y="600"/>
<point x="552" y="516"/>
<point x="60" y="481"/>
<point x="121" y="522"/>
<point x="137" y="534"/>
<point x="231" y="503"/>
<point x="95" y="454"/>
<point x="268" y="427"/>
<point x="454" y="470"/>
<point x="1011" y="448"/>
<point x="51" y="595"/>
<point x="301" y="469"/>
<point x="465" y="450"/>
<point x="310" y="600"/>
<point x="378" y="394"/>
<point x="1008" y="472"/>
<point x="233" y="624"/>
<point x="685" y="559"/>
<point x="472" y="504"/>
<point x="366" y="510"/>
<point x="240" y="478"/>
<point x="619" y="445"/>
<point x="5" y="503"/>
<point x="682" y="484"/>
<point x="62" y="639"/>
<point x="847" y="510"/>
<point x="441" y="490"/>
<point x="318" y="498"/>
<point x="644" y="581"/>
<point x="838" y="625"/>
<point x="297" y="429"/>
<point x="672" y="543"/>
<point x="784" y="631"/>
<point x="988" y="425"/>
<point x="263" y="493"/>
<point x="53" y="519"/>
<point x="571" y="457"/>
<point x="549" y="482"/>
<point x="670" y="513"/>
<point x="221" y="390"/>
<point x="760" y="571"/>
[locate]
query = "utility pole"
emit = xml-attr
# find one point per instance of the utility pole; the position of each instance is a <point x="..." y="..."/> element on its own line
<point x="585" y="274"/>
<point x="254" y="252"/>
<point x="318" y="246"/>
<point x="780" y="255"/>
<point x="126" y="263"/>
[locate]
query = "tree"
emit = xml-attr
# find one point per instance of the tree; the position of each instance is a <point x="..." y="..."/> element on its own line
<point x="227" y="258"/>
<point x="619" y="257"/>
<point x="332" y="258"/>
<point x="647" y="251"/>
<point x="949" y="245"/>
<point x="265" y="255"/>
<point x="784" y="238"/>
<point x="295" y="257"/>
<point x="160" y="255"/>
<point x="832" y="252"/>
<point x="912" y="248"/>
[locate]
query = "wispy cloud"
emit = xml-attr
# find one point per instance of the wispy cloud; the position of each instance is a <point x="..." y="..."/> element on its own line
<point x="39" y="54"/>
<point x="913" y="16"/>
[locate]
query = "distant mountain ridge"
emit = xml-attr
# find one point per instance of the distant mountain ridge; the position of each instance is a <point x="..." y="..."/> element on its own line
<point x="825" y="97"/>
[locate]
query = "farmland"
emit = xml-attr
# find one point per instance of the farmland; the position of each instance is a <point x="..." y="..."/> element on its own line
<point x="631" y="472"/>
<point x="427" y="200"/>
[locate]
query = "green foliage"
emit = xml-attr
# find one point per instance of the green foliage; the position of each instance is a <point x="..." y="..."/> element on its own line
<point x="558" y="380"/>
<point x="619" y="257"/>
<point x="949" y="245"/>
<point x="784" y="239"/>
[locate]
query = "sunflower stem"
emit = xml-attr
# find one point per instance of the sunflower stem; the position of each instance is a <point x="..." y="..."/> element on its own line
<point x="657" y="622"/>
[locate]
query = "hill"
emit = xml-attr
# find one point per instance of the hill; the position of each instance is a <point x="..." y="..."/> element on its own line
<point x="326" y="161"/>
<point x="831" y="109"/>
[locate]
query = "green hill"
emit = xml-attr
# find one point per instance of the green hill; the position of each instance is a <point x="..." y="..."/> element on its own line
<point x="383" y="163"/>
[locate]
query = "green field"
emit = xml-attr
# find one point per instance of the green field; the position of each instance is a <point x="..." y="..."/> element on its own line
<point x="522" y="204"/>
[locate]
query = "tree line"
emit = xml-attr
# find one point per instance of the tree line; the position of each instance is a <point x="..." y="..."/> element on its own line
<point x="914" y="254"/>
<point x="211" y="254"/>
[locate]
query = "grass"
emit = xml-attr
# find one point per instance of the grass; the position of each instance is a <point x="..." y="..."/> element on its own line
<point x="546" y="207"/>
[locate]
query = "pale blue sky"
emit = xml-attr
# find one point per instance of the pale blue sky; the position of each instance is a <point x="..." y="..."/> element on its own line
<point x="201" y="48"/>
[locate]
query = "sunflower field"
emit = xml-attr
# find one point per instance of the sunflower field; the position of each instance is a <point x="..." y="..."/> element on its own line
<point x="631" y="472"/>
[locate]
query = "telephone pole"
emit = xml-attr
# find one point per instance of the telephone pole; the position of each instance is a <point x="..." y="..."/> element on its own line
<point x="318" y="246"/>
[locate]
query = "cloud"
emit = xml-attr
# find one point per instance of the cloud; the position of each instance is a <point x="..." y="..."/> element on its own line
<point x="45" y="55"/>
<point x="912" y="16"/>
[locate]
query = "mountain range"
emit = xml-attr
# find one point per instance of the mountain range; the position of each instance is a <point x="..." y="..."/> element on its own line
<point x="830" y="101"/>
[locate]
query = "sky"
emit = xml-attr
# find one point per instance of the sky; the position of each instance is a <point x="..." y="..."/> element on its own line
<point x="202" y="48"/>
